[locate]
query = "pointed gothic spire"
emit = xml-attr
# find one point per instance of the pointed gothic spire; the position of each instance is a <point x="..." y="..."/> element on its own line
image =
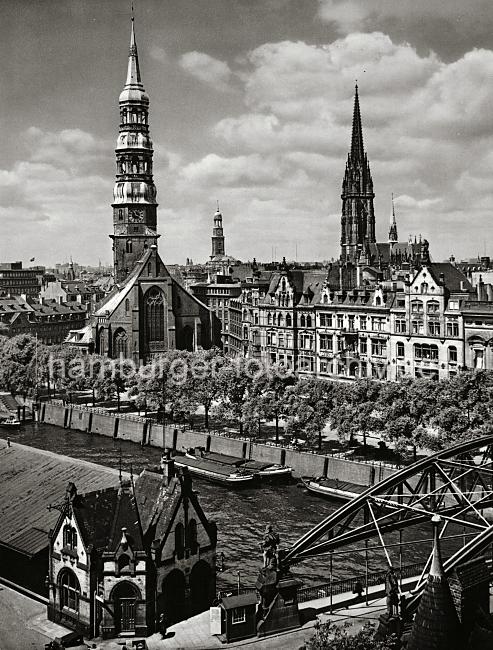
<point x="133" y="70"/>
<point x="393" y="224"/>
<point x="357" y="148"/>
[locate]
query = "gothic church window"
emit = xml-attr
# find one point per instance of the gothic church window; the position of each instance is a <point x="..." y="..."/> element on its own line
<point x="154" y="315"/>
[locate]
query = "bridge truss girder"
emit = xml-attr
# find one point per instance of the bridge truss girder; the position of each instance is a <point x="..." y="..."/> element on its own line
<point x="456" y="483"/>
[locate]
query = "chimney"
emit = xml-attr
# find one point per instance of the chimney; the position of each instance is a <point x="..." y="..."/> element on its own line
<point x="489" y="292"/>
<point x="442" y="278"/>
<point x="167" y="467"/>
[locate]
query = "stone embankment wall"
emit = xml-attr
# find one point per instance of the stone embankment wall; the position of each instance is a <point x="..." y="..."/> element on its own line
<point x="139" y="430"/>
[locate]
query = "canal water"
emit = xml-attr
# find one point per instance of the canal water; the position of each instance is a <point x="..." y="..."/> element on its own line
<point x="241" y="516"/>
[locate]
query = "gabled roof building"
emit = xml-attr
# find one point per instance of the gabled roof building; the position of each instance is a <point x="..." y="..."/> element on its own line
<point x="122" y="556"/>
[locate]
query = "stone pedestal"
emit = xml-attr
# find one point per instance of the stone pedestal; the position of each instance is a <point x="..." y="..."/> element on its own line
<point x="278" y="609"/>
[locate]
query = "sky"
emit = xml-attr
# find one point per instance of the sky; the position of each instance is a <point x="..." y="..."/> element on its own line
<point x="251" y="105"/>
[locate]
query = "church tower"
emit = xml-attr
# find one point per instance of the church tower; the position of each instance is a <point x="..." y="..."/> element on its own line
<point x="134" y="196"/>
<point x="217" y="235"/>
<point x="358" y="217"/>
<point x="393" y="226"/>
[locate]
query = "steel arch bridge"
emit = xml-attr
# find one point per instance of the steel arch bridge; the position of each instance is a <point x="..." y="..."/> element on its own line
<point x="456" y="483"/>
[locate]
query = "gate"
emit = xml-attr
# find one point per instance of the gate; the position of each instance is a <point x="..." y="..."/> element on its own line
<point x="127" y="615"/>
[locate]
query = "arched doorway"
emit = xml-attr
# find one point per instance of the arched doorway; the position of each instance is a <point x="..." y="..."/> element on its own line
<point x="125" y="596"/>
<point x="200" y="587"/>
<point x="172" y="599"/>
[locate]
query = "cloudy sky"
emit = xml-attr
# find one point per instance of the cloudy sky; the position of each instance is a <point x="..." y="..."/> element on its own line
<point x="251" y="104"/>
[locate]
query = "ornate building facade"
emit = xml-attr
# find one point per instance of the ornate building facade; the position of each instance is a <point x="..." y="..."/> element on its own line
<point x="383" y="311"/>
<point x="120" y="557"/>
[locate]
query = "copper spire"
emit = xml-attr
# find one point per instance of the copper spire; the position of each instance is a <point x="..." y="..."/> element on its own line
<point x="133" y="70"/>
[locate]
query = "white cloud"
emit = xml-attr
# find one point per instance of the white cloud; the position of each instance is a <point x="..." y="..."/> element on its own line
<point x="352" y="15"/>
<point x="207" y="69"/>
<point x="55" y="199"/>
<point x="427" y="128"/>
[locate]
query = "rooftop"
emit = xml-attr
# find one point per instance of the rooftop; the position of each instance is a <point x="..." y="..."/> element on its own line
<point x="33" y="479"/>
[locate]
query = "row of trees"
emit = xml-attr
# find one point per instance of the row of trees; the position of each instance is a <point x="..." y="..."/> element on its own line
<point x="418" y="412"/>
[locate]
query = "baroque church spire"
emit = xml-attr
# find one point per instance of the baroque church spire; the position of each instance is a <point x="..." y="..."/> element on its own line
<point x="134" y="195"/>
<point x="358" y="217"/>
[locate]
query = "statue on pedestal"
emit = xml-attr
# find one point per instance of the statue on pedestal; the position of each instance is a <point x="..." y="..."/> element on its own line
<point x="269" y="546"/>
<point x="392" y="591"/>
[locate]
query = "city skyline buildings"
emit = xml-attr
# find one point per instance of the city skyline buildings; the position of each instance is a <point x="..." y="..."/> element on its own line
<point x="244" y="120"/>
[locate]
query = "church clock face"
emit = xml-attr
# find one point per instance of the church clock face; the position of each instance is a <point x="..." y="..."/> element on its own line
<point x="136" y="215"/>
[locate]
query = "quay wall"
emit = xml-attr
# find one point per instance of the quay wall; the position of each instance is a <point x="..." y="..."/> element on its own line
<point x="137" y="430"/>
<point x="104" y="425"/>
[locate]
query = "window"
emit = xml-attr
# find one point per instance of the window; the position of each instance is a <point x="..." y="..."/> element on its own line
<point x="326" y="320"/>
<point x="417" y="327"/>
<point x="326" y="342"/>
<point x="238" y="615"/>
<point x="400" y="325"/>
<point x="192" y="536"/>
<point x="478" y="359"/>
<point x="269" y="319"/>
<point x="289" y="320"/>
<point x="308" y="321"/>
<point x="417" y="306"/>
<point x="425" y="352"/>
<point x="324" y="366"/>
<point x="154" y="315"/>
<point x="453" y="304"/>
<point x="401" y="302"/>
<point x="452" y="328"/>
<point x="377" y="324"/>
<point x="340" y="321"/>
<point x="351" y="322"/>
<point x="434" y="328"/>
<point x="362" y="322"/>
<point x="69" y="590"/>
<point x="400" y="350"/>
<point x="128" y="246"/>
<point x="452" y="354"/>
<point x="378" y="347"/>
<point x="433" y="307"/>
<point x="363" y="346"/>
<point x="69" y="537"/>
<point x="179" y="541"/>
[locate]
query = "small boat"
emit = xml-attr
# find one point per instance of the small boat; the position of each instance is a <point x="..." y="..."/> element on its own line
<point x="217" y="472"/>
<point x="333" y="488"/>
<point x="261" y="469"/>
<point x="10" y="422"/>
<point x="269" y="471"/>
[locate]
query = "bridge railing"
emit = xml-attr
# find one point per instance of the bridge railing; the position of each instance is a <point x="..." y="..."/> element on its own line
<point x="347" y="585"/>
<point x="342" y="586"/>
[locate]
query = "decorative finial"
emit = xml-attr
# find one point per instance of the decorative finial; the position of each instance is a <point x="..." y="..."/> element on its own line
<point x="132" y="10"/>
<point x="217" y="203"/>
